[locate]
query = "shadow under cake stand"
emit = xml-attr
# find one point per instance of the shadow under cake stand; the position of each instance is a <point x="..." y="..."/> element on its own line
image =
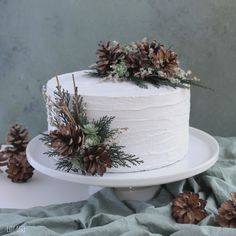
<point x="142" y="185"/>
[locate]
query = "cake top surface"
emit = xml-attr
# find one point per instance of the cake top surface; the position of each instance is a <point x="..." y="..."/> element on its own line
<point x="92" y="86"/>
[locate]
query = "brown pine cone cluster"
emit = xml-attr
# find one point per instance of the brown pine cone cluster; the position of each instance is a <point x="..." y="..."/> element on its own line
<point x="18" y="168"/>
<point x="188" y="208"/>
<point x="96" y="160"/>
<point x="107" y="55"/>
<point x="138" y="58"/>
<point x="67" y="139"/>
<point x="227" y="212"/>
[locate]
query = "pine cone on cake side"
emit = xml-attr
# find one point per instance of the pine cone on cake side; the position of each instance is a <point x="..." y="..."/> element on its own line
<point x="188" y="208"/>
<point x="96" y="160"/>
<point x="18" y="137"/>
<point x="227" y="212"/>
<point x="67" y="139"/>
<point x="107" y="55"/>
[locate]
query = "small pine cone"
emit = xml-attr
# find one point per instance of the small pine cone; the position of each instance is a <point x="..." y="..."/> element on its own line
<point x="170" y="63"/>
<point x="107" y="55"/>
<point x="227" y="213"/>
<point x="188" y="208"/>
<point x="96" y="160"/>
<point x="67" y="140"/>
<point x="18" y="136"/>
<point x="18" y="168"/>
<point x="134" y="62"/>
<point x="148" y="51"/>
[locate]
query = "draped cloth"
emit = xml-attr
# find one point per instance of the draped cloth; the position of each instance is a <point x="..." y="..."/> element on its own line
<point x="104" y="214"/>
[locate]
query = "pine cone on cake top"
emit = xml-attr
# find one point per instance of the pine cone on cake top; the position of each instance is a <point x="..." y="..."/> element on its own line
<point x="188" y="208"/>
<point x="18" y="168"/>
<point x="96" y="160"/>
<point x="107" y="55"/>
<point x="18" y="137"/>
<point x="134" y="62"/>
<point x="67" y="139"/>
<point x="149" y="51"/>
<point x="227" y="212"/>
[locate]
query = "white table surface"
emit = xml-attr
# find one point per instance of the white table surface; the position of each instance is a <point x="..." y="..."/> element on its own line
<point x="40" y="190"/>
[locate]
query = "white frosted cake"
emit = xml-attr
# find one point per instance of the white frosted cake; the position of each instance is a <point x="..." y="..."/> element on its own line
<point x="157" y="118"/>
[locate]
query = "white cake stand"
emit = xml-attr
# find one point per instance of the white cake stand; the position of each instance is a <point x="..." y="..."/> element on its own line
<point x="203" y="153"/>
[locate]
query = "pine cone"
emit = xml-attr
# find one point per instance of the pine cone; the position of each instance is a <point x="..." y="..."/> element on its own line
<point x="96" y="160"/>
<point x="107" y="55"/>
<point x="67" y="140"/>
<point x="188" y="208"/>
<point x="134" y="62"/>
<point x="18" y="137"/>
<point x="227" y="213"/>
<point x="149" y="51"/>
<point x="159" y="56"/>
<point x="168" y="62"/>
<point x="19" y="170"/>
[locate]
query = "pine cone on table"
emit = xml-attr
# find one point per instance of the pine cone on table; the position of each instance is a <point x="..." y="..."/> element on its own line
<point x="67" y="139"/>
<point x="96" y="160"/>
<point x="18" y="137"/>
<point x="18" y="168"/>
<point x="188" y="208"/>
<point x="227" y="212"/>
<point x="107" y="55"/>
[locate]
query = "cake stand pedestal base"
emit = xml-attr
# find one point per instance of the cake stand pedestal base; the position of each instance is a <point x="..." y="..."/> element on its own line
<point x="137" y="193"/>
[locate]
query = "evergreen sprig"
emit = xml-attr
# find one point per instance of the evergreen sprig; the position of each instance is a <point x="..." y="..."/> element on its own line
<point x="120" y="158"/>
<point x="98" y="138"/>
<point x="104" y="125"/>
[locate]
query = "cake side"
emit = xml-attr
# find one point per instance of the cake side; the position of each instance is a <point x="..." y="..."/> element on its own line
<point x="157" y="118"/>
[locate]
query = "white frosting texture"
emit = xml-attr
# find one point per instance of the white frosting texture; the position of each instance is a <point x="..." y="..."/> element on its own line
<point x="157" y="118"/>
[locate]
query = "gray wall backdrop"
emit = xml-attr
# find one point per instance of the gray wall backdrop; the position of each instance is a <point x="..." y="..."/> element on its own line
<point x="41" y="38"/>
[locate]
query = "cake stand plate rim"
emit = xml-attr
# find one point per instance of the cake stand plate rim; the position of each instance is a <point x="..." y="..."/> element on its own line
<point x="199" y="141"/>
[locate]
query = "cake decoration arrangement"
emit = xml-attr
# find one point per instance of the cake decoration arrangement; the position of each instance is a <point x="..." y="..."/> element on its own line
<point x="141" y="62"/>
<point x="82" y="145"/>
<point x="14" y="156"/>
<point x="156" y="118"/>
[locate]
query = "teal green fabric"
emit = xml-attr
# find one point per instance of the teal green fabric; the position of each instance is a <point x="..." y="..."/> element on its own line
<point x="104" y="214"/>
